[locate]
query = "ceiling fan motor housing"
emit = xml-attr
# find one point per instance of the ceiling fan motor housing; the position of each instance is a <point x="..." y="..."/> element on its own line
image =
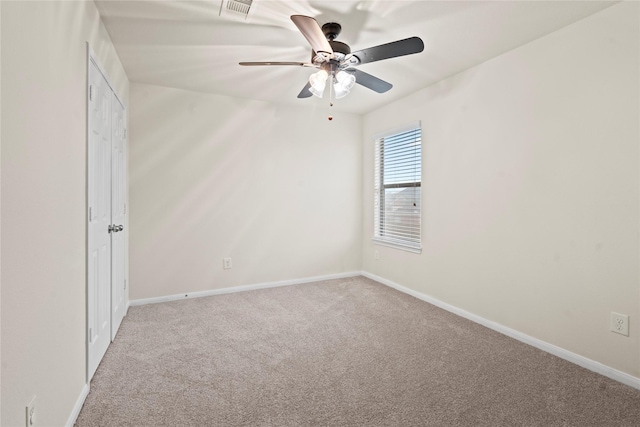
<point x="331" y="30"/>
<point x="340" y="47"/>
<point x="340" y="50"/>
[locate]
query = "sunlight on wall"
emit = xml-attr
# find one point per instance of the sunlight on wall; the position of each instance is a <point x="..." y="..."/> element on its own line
<point x="530" y="188"/>
<point x="273" y="187"/>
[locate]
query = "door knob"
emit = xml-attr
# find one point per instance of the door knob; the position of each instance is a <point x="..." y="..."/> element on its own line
<point x="115" y="228"/>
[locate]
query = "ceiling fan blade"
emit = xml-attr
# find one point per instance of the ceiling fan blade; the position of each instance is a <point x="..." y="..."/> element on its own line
<point x="299" y="64"/>
<point x="313" y="33"/>
<point x="305" y="93"/>
<point x="389" y="50"/>
<point x="369" y="81"/>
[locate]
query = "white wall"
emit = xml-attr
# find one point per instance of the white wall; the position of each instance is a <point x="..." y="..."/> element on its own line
<point x="276" y="188"/>
<point x="43" y="164"/>
<point x="531" y="188"/>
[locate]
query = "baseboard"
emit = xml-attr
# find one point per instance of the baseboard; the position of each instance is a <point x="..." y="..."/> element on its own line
<point x="242" y="288"/>
<point x="78" y="406"/>
<point x="582" y="361"/>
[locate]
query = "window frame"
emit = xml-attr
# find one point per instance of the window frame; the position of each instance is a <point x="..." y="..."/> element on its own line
<point x="379" y="227"/>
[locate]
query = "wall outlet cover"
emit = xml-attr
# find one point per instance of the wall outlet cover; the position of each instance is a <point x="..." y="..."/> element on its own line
<point x="620" y="323"/>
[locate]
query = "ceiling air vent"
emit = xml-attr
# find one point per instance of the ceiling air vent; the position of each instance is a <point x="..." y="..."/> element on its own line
<point x="235" y="9"/>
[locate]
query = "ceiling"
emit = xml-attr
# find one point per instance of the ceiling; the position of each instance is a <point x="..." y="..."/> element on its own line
<point x="189" y="45"/>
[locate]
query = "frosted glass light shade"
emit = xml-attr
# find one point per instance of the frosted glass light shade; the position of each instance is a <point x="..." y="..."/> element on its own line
<point x="318" y="81"/>
<point x="346" y="80"/>
<point x="344" y="83"/>
<point x="317" y="90"/>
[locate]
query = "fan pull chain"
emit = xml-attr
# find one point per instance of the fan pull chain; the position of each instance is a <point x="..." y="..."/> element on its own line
<point x="330" y="97"/>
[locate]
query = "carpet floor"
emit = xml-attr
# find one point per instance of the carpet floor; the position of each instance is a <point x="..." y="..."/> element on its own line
<point x="345" y="352"/>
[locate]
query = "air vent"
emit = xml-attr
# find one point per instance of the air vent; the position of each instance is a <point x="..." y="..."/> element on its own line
<point x="235" y="9"/>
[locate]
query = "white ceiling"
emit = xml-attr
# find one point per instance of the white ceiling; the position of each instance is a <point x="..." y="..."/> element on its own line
<point x="188" y="45"/>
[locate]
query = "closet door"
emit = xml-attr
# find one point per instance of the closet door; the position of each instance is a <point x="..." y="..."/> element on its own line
<point x="99" y="219"/>
<point x="107" y="195"/>
<point x="118" y="210"/>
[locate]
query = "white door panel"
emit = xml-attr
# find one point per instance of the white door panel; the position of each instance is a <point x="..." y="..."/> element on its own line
<point x="118" y="200"/>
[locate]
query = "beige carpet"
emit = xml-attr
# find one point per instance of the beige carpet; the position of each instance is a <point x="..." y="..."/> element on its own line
<point x="346" y="352"/>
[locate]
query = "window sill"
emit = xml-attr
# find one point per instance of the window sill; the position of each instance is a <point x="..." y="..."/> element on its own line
<point x="396" y="245"/>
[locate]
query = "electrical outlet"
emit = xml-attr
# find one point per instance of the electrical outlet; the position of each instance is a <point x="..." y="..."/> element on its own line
<point x="226" y="263"/>
<point x="30" y="413"/>
<point x="620" y="323"/>
<point x="376" y="255"/>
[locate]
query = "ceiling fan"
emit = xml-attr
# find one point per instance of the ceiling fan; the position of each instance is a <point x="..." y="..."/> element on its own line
<point x="336" y="61"/>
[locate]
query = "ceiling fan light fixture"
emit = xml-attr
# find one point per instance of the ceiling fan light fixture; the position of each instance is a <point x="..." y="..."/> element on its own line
<point x="318" y="81"/>
<point x="317" y="91"/>
<point x="343" y="83"/>
<point x="346" y="80"/>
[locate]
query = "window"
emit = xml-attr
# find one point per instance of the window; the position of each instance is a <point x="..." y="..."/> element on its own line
<point x="398" y="177"/>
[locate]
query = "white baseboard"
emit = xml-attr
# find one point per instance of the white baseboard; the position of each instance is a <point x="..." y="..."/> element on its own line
<point x="243" y="288"/>
<point x="586" y="363"/>
<point x="78" y="406"/>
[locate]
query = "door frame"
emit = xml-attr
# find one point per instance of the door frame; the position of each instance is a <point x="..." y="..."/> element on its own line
<point x="93" y="58"/>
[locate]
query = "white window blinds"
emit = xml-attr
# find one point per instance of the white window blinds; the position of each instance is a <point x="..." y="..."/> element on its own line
<point x="398" y="178"/>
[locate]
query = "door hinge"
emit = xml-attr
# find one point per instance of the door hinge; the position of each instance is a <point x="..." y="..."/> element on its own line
<point x="125" y="134"/>
<point x="90" y="213"/>
<point x="90" y="334"/>
<point x="125" y="208"/>
<point x="90" y="92"/>
<point x="125" y="283"/>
